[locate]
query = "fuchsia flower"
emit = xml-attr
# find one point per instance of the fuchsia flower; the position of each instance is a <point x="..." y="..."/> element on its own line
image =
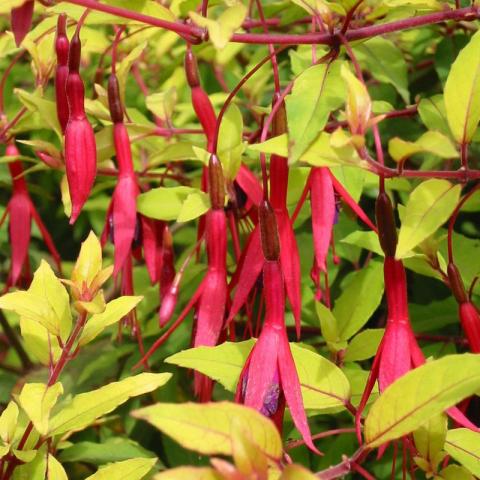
<point x="80" y="147"/>
<point x="269" y="378"/>
<point x="61" y="71"/>
<point x="22" y="20"/>
<point x="21" y="211"/>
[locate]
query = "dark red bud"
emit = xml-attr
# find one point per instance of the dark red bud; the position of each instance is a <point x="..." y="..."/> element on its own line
<point x="456" y="283"/>
<point x="279" y="123"/>
<point x="61" y="76"/>
<point x="61" y="41"/>
<point x="191" y="69"/>
<point x="75" y="96"/>
<point x="75" y="53"/>
<point x="387" y="232"/>
<point x="216" y="183"/>
<point x="114" y="99"/>
<point x="22" y="20"/>
<point x="269" y="231"/>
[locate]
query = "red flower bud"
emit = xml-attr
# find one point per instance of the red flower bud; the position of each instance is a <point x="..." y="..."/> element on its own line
<point x="22" y="20"/>
<point x="114" y="100"/>
<point x="75" y="53"/>
<point x="61" y="72"/>
<point x="269" y="231"/>
<point x="470" y="320"/>
<point x="216" y="183"/>
<point x="191" y="69"/>
<point x="387" y="232"/>
<point x="456" y="283"/>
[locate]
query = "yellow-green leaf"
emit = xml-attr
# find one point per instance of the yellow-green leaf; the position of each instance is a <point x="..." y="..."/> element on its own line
<point x="464" y="446"/>
<point x="114" y="311"/>
<point x="359" y="105"/>
<point x="89" y="262"/>
<point x="193" y="473"/>
<point x="364" y="345"/>
<point x="230" y="141"/>
<point x="297" y="472"/>
<point x="455" y="472"/>
<point x="428" y="207"/>
<point x="462" y="92"/>
<point x="38" y="400"/>
<point x="85" y="408"/>
<point x="431" y="142"/>
<point x="55" y="469"/>
<point x="8" y="422"/>
<point x="133" y="469"/>
<point x="420" y="395"/>
<point x="222" y="29"/>
<point x="207" y="428"/>
<point x="430" y="438"/>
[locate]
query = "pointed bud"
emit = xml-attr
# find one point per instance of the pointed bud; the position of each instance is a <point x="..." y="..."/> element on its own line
<point x="216" y="183"/>
<point x="456" y="283"/>
<point x="279" y="123"/>
<point x="269" y="231"/>
<point x="22" y="21"/>
<point x="387" y="232"/>
<point x="75" y="53"/>
<point x="61" y="41"/>
<point x="191" y="69"/>
<point x="114" y="99"/>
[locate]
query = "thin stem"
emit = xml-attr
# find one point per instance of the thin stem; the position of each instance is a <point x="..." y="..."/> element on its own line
<point x="328" y="433"/>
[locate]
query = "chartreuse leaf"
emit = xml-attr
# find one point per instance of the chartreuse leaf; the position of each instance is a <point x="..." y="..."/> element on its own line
<point x="323" y="384"/>
<point x="222" y="29"/>
<point x="7" y="5"/>
<point x="230" y="141"/>
<point x="38" y="400"/>
<point x="207" y="428"/>
<point x="223" y="363"/>
<point x="297" y="472"/>
<point x="433" y="114"/>
<point x="55" y="469"/>
<point x="360" y="298"/>
<point x="420" y="395"/>
<point x="174" y="203"/>
<point x="126" y="64"/>
<point x="431" y="142"/>
<point x="428" y="207"/>
<point x="114" y="311"/>
<point x="429" y="441"/>
<point x="329" y="327"/>
<point x="386" y="63"/>
<point x="316" y="92"/>
<point x="89" y="262"/>
<point x="133" y="469"/>
<point x="194" y="473"/>
<point x="8" y="422"/>
<point x="85" y="408"/>
<point x="455" y="472"/>
<point x="464" y="446"/>
<point x="359" y="104"/>
<point x="462" y="92"/>
<point x="162" y="103"/>
<point x="364" y="345"/>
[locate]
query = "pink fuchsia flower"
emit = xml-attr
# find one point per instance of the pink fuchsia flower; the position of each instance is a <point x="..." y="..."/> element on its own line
<point x="21" y="18"/>
<point x="21" y="211"/>
<point x="269" y="378"/>
<point x="80" y="147"/>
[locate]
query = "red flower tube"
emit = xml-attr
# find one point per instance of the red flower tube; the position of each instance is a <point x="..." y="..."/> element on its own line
<point x="80" y="147"/>
<point x="61" y="72"/>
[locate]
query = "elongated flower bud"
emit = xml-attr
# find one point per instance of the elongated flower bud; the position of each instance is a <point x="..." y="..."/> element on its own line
<point x="470" y="320"/>
<point x="216" y="183"/>
<point x="22" y="21"/>
<point x="114" y="100"/>
<point x="387" y="232"/>
<point x="61" y="72"/>
<point x="456" y="283"/>
<point x="191" y="69"/>
<point x="80" y="147"/>
<point x="279" y="123"/>
<point x="269" y="231"/>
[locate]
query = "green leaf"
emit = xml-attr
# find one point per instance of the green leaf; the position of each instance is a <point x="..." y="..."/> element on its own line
<point x="359" y="104"/>
<point x="55" y="469"/>
<point x="221" y="30"/>
<point x="433" y="114"/>
<point x="133" y="469"/>
<point x="455" y="472"/>
<point x="328" y="323"/>
<point x="7" y="5"/>
<point x="125" y="65"/>
<point x="360" y="298"/>
<point x="168" y="203"/>
<point x="464" y="446"/>
<point x="230" y="141"/>
<point x="223" y="363"/>
<point x="462" y="92"/>
<point x="85" y="408"/>
<point x="364" y="345"/>
<point x="8" y="422"/>
<point x="193" y="473"/>
<point x="431" y="142"/>
<point x="89" y="262"/>
<point x="114" y="311"/>
<point x="385" y="62"/>
<point x="323" y="384"/>
<point x="428" y="207"/>
<point x="207" y="428"/>
<point x="297" y="472"/>
<point x="366" y="240"/>
<point x="163" y="103"/>
<point x="38" y="400"/>
<point x="420" y="395"/>
<point x="430" y="439"/>
<point x="316" y="92"/>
